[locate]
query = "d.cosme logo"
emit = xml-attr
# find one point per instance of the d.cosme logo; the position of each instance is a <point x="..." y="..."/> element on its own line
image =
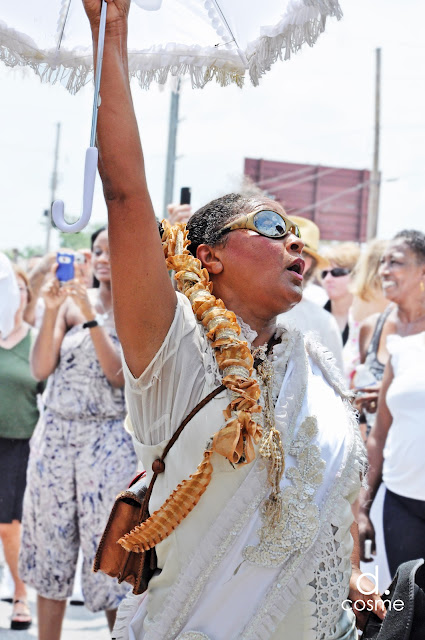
<point x="371" y="604"/>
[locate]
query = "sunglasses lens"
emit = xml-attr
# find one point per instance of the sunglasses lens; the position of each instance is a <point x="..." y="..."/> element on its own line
<point x="336" y="272"/>
<point x="270" y="224"/>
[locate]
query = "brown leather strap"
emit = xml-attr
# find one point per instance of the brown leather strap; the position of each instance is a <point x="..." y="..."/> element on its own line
<point x="172" y="441"/>
<point x="188" y="418"/>
<point x="145" y="506"/>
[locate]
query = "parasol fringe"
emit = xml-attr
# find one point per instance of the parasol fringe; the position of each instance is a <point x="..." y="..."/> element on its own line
<point x="74" y="72"/>
<point x="199" y="76"/>
<point x="19" y="50"/>
<point x="297" y="27"/>
<point x="301" y="24"/>
<point x="74" y="78"/>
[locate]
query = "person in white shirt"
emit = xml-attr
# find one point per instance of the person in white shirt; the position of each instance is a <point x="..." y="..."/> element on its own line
<point x="397" y="439"/>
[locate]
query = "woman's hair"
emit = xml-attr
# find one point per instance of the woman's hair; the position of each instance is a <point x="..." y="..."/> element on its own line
<point x="365" y="278"/>
<point x="95" y="234"/>
<point x="20" y="273"/>
<point x="96" y="283"/>
<point x="206" y="224"/>
<point x="415" y="240"/>
<point x="344" y="255"/>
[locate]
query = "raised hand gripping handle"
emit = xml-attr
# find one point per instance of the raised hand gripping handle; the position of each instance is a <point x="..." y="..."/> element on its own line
<point x="58" y="216"/>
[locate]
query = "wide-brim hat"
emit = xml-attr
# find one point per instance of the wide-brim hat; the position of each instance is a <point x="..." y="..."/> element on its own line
<point x="310" y="235"/>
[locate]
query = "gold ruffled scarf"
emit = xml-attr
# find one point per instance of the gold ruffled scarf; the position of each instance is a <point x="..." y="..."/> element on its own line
<point x="235" y="440"/>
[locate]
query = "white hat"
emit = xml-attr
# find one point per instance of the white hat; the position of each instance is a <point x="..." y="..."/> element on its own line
<point x="310" y="235"/>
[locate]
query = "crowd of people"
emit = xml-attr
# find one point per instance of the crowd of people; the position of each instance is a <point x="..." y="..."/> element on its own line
<point x="65" y="380"/>
<point x="306" y="354"/>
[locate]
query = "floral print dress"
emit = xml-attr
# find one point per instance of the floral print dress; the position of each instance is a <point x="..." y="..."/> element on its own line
<point x="81" y="457"/>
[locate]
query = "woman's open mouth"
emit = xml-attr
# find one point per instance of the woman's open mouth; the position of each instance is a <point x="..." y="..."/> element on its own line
<point x="297" y="268"/>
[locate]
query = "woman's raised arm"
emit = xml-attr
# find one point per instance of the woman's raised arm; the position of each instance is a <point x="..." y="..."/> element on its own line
<point x="143" y="296"/>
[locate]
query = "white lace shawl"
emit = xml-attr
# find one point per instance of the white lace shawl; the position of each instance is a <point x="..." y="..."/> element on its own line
<point x="296" y="571"/>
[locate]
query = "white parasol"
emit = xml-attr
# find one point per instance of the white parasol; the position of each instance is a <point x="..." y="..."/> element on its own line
<point x="223" y="40"/>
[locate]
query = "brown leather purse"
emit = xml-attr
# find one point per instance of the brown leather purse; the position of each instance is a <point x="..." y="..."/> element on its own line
<point x="130" y="509"/>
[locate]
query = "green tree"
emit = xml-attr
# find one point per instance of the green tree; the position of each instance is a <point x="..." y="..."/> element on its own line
<point x="26" y="252"/>
<point x="80" y="240"/>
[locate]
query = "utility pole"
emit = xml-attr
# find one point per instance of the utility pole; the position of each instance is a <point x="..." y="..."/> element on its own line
<point x="171" y="151"/>
<point x="375" y="179"/>
<point x="53" y="185"/>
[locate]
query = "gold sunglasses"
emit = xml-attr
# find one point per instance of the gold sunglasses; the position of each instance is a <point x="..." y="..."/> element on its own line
<point x="265" y="222"/>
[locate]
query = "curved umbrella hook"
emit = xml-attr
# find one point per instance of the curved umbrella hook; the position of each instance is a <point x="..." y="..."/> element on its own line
<point x="90" y="166"/>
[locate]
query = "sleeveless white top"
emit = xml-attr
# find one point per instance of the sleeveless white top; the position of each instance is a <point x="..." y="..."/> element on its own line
<point x="403" y="470"/>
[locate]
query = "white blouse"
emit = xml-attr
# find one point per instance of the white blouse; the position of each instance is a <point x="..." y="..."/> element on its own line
<point x="180" y="375"/>
<point x="214" y="583"/>
<point x="403" y="470"/>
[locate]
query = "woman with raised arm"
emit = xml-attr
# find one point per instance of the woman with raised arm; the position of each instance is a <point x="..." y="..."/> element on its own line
<point x="251" y="513"/>
<point x="81" y="455"/>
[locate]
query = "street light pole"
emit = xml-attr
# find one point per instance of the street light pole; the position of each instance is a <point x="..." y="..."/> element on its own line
<point x="171" y="151"/>
<point x="375" y="178"/>
<point x="53" y="185"/>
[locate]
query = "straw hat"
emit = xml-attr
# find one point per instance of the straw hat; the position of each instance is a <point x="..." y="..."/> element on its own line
<point x="310" y="235"/>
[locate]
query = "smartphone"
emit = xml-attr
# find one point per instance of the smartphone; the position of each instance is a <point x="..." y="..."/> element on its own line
<point x="65" y="270"/>
<point x="185" y="195"/>
<point x="80" y="258"/>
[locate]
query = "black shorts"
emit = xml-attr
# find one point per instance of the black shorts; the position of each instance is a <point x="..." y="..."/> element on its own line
<point x="13" y="464"/>
<point x="404" y="531"/>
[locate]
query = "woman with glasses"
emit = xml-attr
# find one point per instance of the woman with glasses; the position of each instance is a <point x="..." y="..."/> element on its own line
<point x="250" y="513"/>
<point x="336" y="280"/>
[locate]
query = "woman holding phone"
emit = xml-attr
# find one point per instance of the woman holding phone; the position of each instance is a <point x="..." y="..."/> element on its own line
<point x="81" y="456"/>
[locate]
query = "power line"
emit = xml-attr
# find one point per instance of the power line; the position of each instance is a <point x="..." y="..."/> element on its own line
<point x="260" y="183"/>
<point x="314" y="176"/>
<point x="318" y="203"/>
<point x="337" y="195"/>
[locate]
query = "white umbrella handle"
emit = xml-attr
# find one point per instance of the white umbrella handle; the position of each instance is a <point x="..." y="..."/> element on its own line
<point x="91" y="153"/>
<point x="58" y="216"/>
